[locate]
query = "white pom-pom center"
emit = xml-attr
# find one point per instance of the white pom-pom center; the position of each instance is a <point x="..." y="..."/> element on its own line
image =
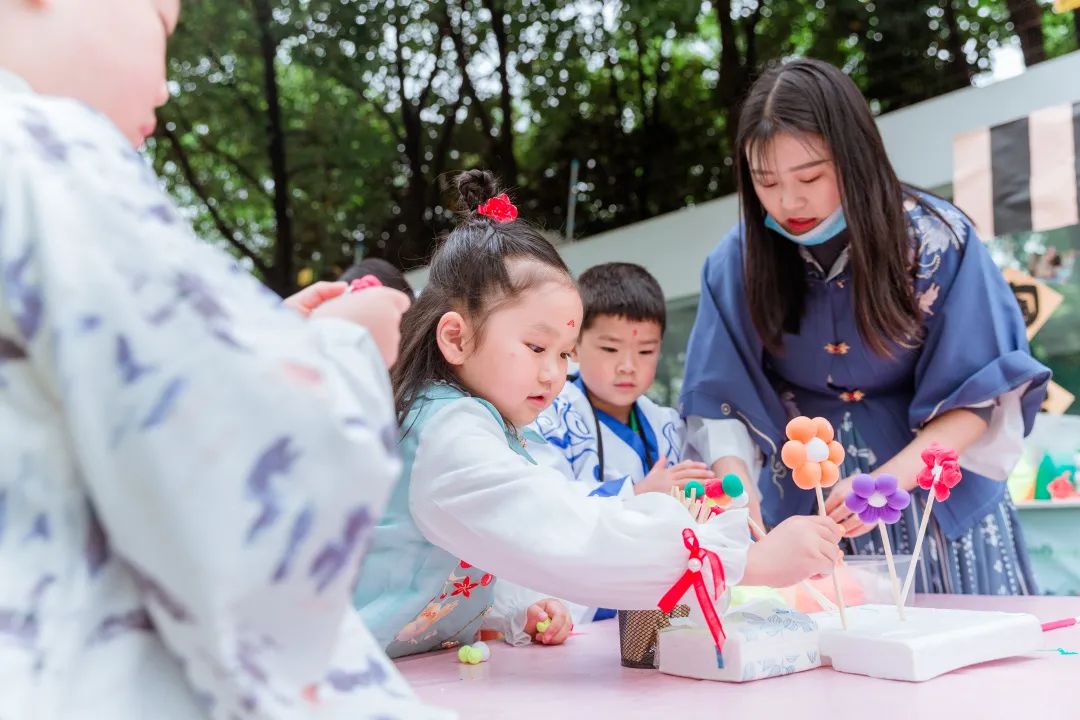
<point x="817" y="450"/>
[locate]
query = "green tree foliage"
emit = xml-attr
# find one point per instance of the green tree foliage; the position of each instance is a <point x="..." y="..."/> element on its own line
<point x="303" y="134"/>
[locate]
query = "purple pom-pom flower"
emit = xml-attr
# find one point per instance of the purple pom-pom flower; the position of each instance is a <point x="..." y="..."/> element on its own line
<point x="877" y="499"/>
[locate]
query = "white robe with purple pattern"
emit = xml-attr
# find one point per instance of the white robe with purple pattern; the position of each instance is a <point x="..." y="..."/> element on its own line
<point x="188" y="472"/>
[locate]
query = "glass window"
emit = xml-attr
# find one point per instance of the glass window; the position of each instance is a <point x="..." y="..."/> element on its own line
<point x="1050" y="257"/>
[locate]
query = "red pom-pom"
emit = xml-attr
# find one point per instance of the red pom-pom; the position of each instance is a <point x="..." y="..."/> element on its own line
<point x="949" y="468"/>
<point x="714" y="489"/>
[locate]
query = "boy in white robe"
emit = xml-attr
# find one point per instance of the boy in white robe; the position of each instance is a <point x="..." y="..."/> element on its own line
<point x="603" y="432"/>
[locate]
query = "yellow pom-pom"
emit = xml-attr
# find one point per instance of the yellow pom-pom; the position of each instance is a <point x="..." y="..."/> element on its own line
<point x="543" y="625"/>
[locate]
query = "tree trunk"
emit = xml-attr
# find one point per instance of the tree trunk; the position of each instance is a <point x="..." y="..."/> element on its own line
<point x="1026" y="16"/>
<point x="281" y="277"/>
<point x="644" y="179"/>
<point x="731" y="70"/>
<point x="959" y="68"/>
<point x="507" y="162"/>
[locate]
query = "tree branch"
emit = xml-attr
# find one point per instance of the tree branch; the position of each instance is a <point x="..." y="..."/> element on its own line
<point x="466" y="81"/>
<point x="391" y="122"/>
<point x="219" y="222"/>
<point x="422" y="101"/>
<point x="211" y="149"/>
<point x="442" y="149"/>
<point x="252" y="111"/>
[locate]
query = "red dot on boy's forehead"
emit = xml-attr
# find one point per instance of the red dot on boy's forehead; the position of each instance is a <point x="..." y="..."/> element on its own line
<point x="635" y="332"/>
<point x="571" y="324"/>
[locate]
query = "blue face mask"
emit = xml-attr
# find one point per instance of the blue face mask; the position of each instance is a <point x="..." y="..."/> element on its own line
<point x="825" y="230"/>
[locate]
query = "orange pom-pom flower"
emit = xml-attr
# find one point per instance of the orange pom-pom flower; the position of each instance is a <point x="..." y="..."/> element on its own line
<point x="811" y="453"/>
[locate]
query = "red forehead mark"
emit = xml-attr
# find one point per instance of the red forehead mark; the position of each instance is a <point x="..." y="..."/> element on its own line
<point x="635" y="332"/>
<point x="571" y="324"/>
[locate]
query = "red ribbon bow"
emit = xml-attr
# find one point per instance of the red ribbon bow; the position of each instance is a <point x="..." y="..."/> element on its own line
<point x="693" y="576"/>
<point x="499" y="208"/>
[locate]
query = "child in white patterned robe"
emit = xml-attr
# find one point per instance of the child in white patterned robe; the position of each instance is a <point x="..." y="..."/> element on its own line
<point x="181" y="510"/>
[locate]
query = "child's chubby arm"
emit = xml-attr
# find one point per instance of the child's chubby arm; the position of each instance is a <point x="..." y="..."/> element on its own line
<point x="475" y="497"/>
<point x="796" y="549"/>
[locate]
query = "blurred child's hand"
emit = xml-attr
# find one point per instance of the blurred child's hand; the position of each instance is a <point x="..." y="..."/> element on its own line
<point x="549" y="610"/>
<point x="313" y="296"/>
<point x="662" y="478"/>
<point x="796" y="549"/>
<point x="379" y="309"/>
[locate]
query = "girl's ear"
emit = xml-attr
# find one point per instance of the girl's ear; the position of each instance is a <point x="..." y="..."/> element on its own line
<point x="451" y="334"/>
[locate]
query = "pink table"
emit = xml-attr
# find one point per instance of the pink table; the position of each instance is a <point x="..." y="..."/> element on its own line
<point x="583" y="679"/>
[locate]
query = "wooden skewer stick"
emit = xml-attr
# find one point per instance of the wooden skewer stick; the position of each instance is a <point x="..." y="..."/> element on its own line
<point x="835" y="575"/>
<point x="892" y="570"/>
<point x="917" y="551"/>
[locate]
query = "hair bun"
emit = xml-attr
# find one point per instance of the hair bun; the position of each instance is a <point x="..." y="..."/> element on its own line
<point x="475" y="187"/>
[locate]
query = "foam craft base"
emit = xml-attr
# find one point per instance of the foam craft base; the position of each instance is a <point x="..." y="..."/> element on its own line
<point x="767" y="642"/>
<point x="929" y="643"/>
<point x="762" y="641"/>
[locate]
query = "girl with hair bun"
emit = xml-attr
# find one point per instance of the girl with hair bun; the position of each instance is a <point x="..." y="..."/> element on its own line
<point x="484" y="350"/>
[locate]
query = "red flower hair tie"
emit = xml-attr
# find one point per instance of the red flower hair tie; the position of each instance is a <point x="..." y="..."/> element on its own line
<point x="499" y="209"/>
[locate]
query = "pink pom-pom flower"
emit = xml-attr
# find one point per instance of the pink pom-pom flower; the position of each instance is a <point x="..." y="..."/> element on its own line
<point x="941" y="471"/>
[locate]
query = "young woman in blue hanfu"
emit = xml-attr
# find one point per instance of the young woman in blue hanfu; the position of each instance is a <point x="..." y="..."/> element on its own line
<point x="845" y="294"/>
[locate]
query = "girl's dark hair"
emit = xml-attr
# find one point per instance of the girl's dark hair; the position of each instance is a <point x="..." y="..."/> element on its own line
<point x="474" y="271"/>
<point x="807" y="98"/>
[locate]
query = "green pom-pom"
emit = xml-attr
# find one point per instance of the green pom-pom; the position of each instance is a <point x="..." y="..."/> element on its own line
<point x="733" y="486"/>
<point x="463" y="653"/>
<point x="543" y="625"/>
<point x="694" y="489"/>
